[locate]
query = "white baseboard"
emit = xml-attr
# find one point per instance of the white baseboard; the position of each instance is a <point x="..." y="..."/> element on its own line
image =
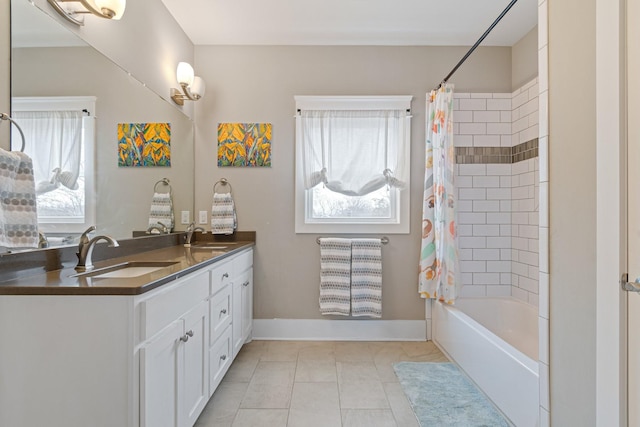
<point x="339" y="330"/>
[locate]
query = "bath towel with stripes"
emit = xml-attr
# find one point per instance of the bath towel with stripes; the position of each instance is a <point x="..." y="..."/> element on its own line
<point x="223" y="214"/>
<point x="366" y="277"/>
<point x="162" y="211"/>
<point x="335" y="276"/>
<point x="18" y="208"/>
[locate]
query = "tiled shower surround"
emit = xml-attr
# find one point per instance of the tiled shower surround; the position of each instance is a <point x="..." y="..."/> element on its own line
<point x="497" y="180"/>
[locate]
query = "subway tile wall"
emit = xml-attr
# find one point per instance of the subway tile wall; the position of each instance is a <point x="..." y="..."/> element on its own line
<point x="524" y="223"/>
<point x="498" y="203"/>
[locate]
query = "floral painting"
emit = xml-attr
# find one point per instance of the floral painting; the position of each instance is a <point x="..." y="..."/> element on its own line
<point x="244" y="144"/>
<point x="144" y="144"/>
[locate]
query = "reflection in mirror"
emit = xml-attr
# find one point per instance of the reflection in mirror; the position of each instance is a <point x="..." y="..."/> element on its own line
<point x="51" y="66"/>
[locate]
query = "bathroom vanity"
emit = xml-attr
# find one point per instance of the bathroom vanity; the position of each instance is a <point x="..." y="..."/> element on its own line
<point x="124" y="347"/>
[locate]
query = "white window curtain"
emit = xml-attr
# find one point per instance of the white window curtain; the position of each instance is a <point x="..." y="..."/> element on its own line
<point x="54" y="142"/>
<point x="354" y="152"/>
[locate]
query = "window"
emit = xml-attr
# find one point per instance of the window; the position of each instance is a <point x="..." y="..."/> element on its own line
<point x="352" y="164"/>
<point x="59" y="138"/>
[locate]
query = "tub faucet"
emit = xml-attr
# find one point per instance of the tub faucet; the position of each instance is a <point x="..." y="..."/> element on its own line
<point x="190" y="230"/>
<point x="85" y="248"/>
<point x="162" y="229"/>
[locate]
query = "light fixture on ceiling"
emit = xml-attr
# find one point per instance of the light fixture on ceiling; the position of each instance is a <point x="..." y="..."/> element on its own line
<point x="192" y="86"/>
<point x="74" y="10"/>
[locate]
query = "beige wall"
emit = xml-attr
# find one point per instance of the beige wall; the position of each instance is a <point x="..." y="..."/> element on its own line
<point x="524" y="59"/>
<point x="572" y="197"/>
<point x="257" y="84"/>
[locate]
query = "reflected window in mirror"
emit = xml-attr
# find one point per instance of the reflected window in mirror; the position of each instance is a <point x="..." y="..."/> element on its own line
<point x="59" y="138"/>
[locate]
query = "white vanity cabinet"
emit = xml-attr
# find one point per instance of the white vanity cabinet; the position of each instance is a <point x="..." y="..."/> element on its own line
<point x="202" y="349"/>
<point x="242" y="300"/>
<point x="174" y="358"/>
<point x="220" y="318"/>
<point x="149" y="360"/>
<point x="231" y="315"/>
<point x="243" y="309"/>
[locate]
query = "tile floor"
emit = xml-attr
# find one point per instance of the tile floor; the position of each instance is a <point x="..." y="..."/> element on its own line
<point x="308" y="383"/>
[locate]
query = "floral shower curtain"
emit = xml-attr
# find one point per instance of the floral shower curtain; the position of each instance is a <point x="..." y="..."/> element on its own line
<point x="439" y="252"/>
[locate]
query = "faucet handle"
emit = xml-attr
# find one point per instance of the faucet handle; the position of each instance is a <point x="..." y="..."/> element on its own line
<point x="84" y="239"/>
<point x="165" y="229"/>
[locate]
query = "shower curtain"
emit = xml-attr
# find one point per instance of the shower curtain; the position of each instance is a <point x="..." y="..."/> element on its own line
<point x="439" y="252"/>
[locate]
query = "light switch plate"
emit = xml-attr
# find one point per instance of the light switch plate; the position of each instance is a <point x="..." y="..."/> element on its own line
<point x="184" y="218"/>
<point x="202" y="219"/>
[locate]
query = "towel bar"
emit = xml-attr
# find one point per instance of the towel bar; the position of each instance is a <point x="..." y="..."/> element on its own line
<point x="384" y="240"/>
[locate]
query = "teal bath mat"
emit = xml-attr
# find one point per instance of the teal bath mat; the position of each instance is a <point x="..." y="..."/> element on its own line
<point x="442" y="396"/>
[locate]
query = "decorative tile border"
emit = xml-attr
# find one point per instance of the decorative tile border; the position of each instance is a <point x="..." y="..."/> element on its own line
<point x="505" y="155"/>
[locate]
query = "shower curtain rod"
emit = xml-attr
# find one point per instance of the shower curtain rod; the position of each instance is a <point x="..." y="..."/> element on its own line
<point x="482" y="37"/>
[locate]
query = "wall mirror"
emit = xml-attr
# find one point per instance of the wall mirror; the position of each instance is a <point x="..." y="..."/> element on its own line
<point x="51" y="65"/>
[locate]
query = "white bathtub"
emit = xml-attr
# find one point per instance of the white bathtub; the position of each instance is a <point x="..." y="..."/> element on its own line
<point x="495" y="342"/>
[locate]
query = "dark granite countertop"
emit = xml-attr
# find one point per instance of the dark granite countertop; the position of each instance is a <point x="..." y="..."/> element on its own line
<point x="66" y="281"/>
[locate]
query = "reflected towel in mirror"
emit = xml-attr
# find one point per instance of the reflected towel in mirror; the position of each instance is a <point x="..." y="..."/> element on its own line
<point x="161" y="211"/>
<point x="18" y="208"/>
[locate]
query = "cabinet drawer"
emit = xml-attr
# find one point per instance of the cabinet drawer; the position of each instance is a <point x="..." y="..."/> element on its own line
<point x="168" y="305"/>
<point x="219" y="359"/>
<point x="220" y="313"/>
<point x="243" y="262"/>
<point x="221" y="276"/>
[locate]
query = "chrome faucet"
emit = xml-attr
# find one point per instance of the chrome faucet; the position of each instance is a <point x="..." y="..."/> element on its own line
<point x="85" y="248"/>
<point x="42" y="240"/>
<point x="163" y="229"/>
<point x="190" y="230"/>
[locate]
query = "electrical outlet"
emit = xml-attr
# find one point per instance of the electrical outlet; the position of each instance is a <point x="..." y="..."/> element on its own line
<point x="202" y="219"/>
<point x="184" y="218"/>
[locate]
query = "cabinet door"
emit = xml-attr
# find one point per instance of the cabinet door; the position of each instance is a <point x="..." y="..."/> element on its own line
<point x="195" y="393"/>
<point x="160" y="380"/>
<point x="236" y="315"/>
<point x="247" y="305"/>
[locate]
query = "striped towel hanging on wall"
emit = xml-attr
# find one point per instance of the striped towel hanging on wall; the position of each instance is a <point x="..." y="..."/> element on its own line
<point x="366" y="277"/>
<point x="335" y="276"/>
<point x="223" y="214"/>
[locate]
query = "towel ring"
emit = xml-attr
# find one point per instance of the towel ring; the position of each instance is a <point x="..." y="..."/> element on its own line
<point x="223" y="182"/>
<point x="4" y="116"/>
<point x="164" y="181"/>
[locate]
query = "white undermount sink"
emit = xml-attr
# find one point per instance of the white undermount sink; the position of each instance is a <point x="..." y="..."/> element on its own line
<point x="126" y="270"/>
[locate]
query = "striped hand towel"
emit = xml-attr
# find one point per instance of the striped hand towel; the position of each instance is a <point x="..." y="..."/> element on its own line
<point x="18" y="208"/>
<point x="162" y="211"/>
<point x="335" y="276"/>
<point x="223" y="214"/>
<point x="366" y="277"/>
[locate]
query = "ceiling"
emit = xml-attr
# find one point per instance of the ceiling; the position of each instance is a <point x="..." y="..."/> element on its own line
<point x="352" y="22"/>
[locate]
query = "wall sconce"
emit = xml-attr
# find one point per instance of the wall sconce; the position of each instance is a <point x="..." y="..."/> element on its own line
<point x="192" y="86"/>
<point x="74" y="10"/>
